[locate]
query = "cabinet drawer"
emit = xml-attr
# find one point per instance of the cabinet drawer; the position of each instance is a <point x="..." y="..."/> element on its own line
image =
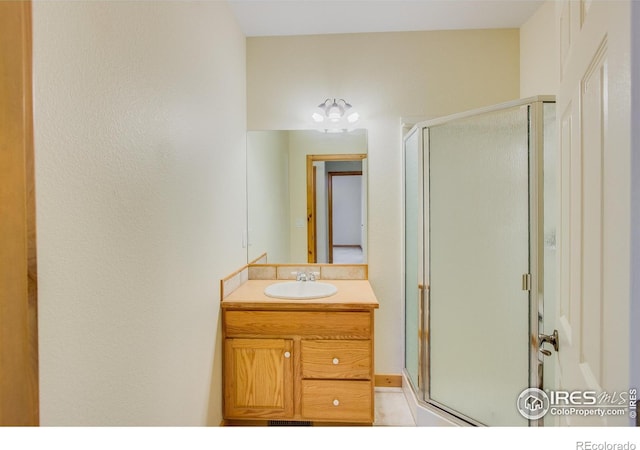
<point x="336" y="359"/>
<point x="338" y="325"/>
<point x="337" y="400"/>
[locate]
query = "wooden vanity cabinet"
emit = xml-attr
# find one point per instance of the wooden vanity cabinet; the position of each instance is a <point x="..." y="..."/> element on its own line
<point x="298" y="364"/>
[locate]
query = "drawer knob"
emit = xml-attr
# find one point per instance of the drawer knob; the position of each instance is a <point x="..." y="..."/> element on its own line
<point x="336" y="402"/>
<point x="336" y="361"/>
<point x="287" y="354"/>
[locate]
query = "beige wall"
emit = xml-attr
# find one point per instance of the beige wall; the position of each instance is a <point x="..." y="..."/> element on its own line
<point x="385" y="76"/>
<point x="140" y="169"/>
<point x="539" y="67"/>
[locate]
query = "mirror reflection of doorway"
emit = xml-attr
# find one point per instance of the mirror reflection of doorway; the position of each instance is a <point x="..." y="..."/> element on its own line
<point x="344" y="199"/>
<point x="336" y="207"/>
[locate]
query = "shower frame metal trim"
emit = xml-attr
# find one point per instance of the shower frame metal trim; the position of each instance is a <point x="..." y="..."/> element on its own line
<point x="536" y="242"/>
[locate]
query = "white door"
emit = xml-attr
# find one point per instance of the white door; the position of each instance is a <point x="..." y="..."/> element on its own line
<point x="594" y="127"/>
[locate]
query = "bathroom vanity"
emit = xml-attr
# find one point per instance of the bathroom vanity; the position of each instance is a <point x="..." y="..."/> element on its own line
<point x="299" y="360"/>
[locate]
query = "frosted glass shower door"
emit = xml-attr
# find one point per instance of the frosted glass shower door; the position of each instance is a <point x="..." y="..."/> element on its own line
<point x="412" y="256"/>
<point x="479" y="250"/>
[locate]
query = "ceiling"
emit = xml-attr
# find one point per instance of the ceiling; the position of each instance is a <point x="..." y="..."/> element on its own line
<point x="297" y="17"/>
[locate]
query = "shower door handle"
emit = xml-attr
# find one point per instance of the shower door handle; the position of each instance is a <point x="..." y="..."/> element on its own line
<point x="421" y="291"/>
<point x="422" y="297"/>
<point x="422" y="335"/>
<point x="551" y="339"/>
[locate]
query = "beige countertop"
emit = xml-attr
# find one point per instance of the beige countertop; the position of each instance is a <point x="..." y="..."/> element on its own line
<point x="351" y="294"/>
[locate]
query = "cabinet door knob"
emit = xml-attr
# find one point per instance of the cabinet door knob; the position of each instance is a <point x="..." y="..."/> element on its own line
<point x="287" y="354"/>
<point x="336" y="361"/>
<point x="336" y="402"/>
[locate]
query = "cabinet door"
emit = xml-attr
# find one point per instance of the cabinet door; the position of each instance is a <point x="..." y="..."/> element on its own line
<point x="258" y="378"/>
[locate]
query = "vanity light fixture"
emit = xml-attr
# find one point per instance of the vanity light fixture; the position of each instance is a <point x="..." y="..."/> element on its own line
<point x="335" y="115"/>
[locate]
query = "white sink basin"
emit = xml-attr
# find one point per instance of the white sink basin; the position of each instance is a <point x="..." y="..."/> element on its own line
<point x="299" y="290"/>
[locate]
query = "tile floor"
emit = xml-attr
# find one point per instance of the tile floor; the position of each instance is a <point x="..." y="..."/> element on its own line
<point x="392" y="409"/>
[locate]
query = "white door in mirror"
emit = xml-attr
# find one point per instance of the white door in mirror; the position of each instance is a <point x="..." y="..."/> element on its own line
<point x="299" y="290"/>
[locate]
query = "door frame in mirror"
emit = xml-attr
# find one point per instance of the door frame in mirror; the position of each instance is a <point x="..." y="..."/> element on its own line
<point x="312" y="253"/>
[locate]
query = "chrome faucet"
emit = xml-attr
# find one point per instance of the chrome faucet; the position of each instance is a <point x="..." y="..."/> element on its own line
<point x="301" y="276"/>
<point x="306" y="276"/>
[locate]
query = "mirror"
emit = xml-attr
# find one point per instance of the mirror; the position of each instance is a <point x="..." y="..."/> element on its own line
<point x="300" y="177"/>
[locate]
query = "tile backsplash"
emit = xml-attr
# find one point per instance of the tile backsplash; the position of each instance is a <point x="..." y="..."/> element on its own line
<point x="262" y="272"/>
<point x="287" y="272"/>
<point x="233" y="281"/>
<point x="344" y="272"/>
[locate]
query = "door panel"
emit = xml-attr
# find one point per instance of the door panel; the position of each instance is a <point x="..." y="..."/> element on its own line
<point x="593" y="94"/>
<point x="595" y="203"/>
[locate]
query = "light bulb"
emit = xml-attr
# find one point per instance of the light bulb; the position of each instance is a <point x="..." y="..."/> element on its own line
<point x="334" y="113"/>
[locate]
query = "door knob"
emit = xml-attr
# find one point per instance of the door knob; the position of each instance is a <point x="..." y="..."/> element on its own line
<point x="551" y="339"/>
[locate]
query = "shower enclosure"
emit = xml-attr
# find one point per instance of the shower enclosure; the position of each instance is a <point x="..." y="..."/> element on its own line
<point x="479" y="255"/>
